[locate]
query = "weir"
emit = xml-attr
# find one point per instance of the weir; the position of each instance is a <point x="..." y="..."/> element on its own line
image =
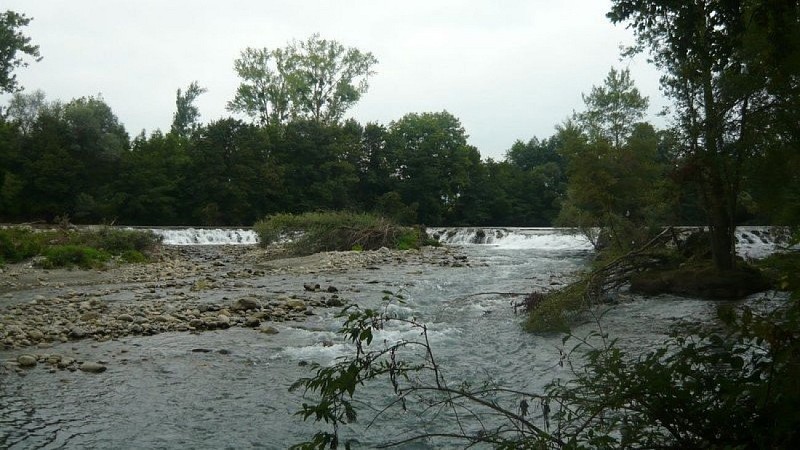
<point x="752" y="242"/>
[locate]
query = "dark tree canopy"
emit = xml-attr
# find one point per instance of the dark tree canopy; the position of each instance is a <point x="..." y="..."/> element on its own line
<point x="723" y="71"/>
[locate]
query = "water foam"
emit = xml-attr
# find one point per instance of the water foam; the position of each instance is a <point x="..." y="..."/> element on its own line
<point x="513" y="238"/>
<point x="751" y="242"/>
<point x="206" y="236"/>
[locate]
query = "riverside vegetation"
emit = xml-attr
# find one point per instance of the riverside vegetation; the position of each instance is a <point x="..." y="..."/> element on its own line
<point x="338" y="231"/>
<point x="72" y="248"/>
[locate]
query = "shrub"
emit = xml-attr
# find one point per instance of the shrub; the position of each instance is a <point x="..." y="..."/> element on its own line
<point x="119" y="241"/>
<point x="408" y="240"/>
<point x="19" y="244"/>
<point x="132" y="257"/>
<point x="68" y="248"/>
<point x="73" y="255"/>
<point x="336" y="231"/>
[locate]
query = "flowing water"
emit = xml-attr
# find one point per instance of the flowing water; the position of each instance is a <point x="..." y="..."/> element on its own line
<point x="160" y="392"/>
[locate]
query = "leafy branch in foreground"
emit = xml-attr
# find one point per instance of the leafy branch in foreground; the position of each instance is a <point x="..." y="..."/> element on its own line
<point x="418" y="385"/>
<point x="735" y="384"/>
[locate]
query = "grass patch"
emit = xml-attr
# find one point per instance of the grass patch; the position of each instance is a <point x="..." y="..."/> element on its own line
<point x="118" y="242"/>
<point x="72" y="256"/>
<point x="19" y="244"/>
<point x="86" y="248"/>
<point x="337" y="231"/>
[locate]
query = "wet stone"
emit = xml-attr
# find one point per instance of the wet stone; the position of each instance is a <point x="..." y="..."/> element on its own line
<point x="91" y="367"/>
<point x="26" y="361"/>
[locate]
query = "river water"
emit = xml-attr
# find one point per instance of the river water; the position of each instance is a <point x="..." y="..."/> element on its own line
<point x="160" y="392"/>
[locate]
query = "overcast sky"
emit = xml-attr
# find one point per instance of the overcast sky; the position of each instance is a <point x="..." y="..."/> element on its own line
<point x="509" y="70"/>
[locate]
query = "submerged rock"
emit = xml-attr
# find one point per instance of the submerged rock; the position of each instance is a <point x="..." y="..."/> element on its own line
<point x="245" y="303"/>
<point x="91" y="367"/>
<point x="26" y="361"/>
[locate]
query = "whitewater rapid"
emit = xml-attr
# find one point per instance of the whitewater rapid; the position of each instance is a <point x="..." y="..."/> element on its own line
<point x="751" y="242"/>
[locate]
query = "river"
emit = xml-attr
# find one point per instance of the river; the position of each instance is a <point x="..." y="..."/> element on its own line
<point x="229" y="388"/>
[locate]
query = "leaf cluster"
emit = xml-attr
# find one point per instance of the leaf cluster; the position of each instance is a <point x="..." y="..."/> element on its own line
<point x="729" y="387"/>
<point x="316" y="79"/>
<point x="13" y="46"/>
<point x="419" y="386"/>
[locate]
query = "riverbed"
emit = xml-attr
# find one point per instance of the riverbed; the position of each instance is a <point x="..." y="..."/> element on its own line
<point x="217" y="347"/>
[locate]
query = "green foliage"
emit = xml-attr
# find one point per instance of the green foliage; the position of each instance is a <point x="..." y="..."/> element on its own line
<point x="315" y="79"/>
<point x="731" y="91"/>
<point x="783" y="269"/>
<point x="616" y="182"/>
<point x="19" y="244"/>
<point x="614" y="109"/>
<point x="408" y="240"/>
<point x="85" y="248"/>
<point x="184" y="121"/>
<point x="133" y="257"/>
<point x="336" y="231"/>
<point x="702" y="388"/>
<point x="432" y="164"/>
<point x="24" y="108"/>
<point x="13" y="46"/>
<point x="73" y="255"/>
<point x="119" y="241"/>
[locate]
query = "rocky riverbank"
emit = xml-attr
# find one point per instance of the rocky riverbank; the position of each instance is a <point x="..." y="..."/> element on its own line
<point x="187" y="289"/>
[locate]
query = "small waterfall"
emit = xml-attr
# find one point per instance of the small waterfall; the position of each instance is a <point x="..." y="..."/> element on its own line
<point x="513" y="238"/>
<point x="206" y="236"/>
<point x="760" y="242"/>
<point x="751" y="242"/>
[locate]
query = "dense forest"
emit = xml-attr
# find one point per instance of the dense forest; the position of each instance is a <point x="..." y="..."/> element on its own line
<point x="295" y="151"/>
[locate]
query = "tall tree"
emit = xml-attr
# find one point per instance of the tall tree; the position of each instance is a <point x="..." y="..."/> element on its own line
<point x="13" y="47"/>
<point x="23" y="109"/>
<point x="614" y="175"/>
<point x="727" y="91"/>
<point x="613" y="109"/>
<point x="315" y="79"/>
<point x="227" y="182"/>
<point x="264" y="93"/>
<point x="330" y="78"/>
<point x="432" y="163"/>
<point x="98" y="141"/>
<point x="184" y="121"/>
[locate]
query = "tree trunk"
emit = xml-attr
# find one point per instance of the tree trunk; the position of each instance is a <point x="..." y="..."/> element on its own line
<point x="721" y="225"/>
<point x="722" y="245"/>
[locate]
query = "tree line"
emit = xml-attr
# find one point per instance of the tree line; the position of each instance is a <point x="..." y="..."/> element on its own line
<point x="734" y="133"/>
<point x="76" y="160"/>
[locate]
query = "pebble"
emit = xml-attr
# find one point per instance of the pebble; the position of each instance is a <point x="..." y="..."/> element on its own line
<point x="163" y="300"/>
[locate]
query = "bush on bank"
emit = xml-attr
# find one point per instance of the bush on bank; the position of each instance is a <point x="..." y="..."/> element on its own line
<point x="87" y="248"/>
<point x="666" y="265"/>
<point x="310" y="233"/>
